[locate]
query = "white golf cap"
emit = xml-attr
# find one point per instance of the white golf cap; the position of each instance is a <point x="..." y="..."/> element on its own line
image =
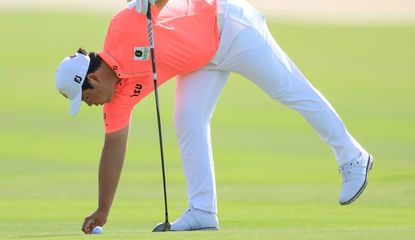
<point x="70" y="76"/>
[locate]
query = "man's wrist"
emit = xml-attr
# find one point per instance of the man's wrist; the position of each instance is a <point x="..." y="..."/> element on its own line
<point x="104" y="209"/>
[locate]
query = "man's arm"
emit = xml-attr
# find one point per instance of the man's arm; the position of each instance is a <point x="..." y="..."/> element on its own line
<point x="112" y="159"/>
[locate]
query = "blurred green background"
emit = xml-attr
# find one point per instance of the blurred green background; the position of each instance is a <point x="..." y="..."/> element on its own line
<point x="275" y="178"/>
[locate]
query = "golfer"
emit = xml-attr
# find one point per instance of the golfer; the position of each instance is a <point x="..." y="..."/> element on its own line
<point x="200" y="42"/>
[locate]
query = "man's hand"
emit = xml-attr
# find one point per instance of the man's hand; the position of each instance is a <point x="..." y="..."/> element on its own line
<point x="98" y="218"/>
<point x="142" y="6"/>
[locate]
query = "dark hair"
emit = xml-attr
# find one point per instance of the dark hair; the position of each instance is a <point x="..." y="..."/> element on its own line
<point x="95" y="63"/>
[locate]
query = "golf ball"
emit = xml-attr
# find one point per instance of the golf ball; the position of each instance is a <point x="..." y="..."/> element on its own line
<point x="97" y="230"/>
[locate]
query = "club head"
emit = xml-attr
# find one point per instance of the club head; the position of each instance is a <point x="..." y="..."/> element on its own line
<point x="162" y="227"/>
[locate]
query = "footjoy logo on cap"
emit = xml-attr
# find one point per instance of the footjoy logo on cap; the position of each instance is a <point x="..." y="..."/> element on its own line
<point x="141" y="53"/>
<point x="77" y="79"/>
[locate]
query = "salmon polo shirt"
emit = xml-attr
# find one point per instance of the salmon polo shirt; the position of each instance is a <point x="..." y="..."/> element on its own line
<point x="185" y="39"/>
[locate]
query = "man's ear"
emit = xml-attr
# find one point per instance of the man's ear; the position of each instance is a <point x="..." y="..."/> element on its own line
<point x="93" y="77"/>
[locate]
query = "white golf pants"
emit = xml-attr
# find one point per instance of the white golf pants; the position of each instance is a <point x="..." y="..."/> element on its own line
<point x="247" y="48"/>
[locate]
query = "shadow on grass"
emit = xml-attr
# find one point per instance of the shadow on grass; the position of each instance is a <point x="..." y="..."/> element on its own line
<point x="46" y="236"/>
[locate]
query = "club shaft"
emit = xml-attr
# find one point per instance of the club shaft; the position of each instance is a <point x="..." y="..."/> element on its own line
<point x="153" y="64"/>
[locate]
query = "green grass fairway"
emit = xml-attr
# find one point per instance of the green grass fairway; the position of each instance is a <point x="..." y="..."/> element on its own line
<point x="275" y="178"/>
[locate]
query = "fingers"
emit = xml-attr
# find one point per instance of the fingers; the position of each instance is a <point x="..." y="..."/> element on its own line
<point x="139" y="6"/>
<point x="88" y="225"/>
<point x="98" y="218"/>
<point x="142" y="6"/>
<point x="145" y="7"/>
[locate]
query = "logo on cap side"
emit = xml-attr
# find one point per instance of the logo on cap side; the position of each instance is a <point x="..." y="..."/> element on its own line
<point x="77" y="79"/>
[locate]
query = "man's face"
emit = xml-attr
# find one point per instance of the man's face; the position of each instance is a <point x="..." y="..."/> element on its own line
<point x="102" y="87"/>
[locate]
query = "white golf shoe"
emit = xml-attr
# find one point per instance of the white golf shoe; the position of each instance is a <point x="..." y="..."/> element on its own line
<point x="354" y="177"/>
<point x="194" y="219"/>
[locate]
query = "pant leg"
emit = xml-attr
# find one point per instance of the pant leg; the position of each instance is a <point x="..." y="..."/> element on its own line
<point x="256" y="55"/>
<point x="196" y="97"/>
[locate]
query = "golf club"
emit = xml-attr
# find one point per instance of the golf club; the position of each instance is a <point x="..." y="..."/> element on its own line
<point x="162" y="227"/>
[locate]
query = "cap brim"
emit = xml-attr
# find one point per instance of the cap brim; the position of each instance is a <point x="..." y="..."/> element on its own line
<point x="75" y="104"/>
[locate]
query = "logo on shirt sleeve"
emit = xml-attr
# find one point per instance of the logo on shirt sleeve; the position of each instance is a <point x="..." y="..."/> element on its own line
<point x="141" y="53"/>
<point x="137" y="90"/>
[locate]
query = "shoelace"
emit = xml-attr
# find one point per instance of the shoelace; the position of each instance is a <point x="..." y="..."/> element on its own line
<point x="346" y="169"/>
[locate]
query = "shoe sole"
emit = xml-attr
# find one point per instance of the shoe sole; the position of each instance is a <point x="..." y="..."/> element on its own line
<point x="368" y="168"/>
<point x="199" y="229"/>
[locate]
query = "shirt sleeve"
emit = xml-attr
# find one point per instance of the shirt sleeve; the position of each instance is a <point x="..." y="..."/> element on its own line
<point x="128" y="92"/>
<point x="117" y="113"/>
<point x="116" y="116"/>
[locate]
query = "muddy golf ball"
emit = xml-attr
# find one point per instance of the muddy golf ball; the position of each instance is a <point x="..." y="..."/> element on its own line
<point x="97" y="230"/>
